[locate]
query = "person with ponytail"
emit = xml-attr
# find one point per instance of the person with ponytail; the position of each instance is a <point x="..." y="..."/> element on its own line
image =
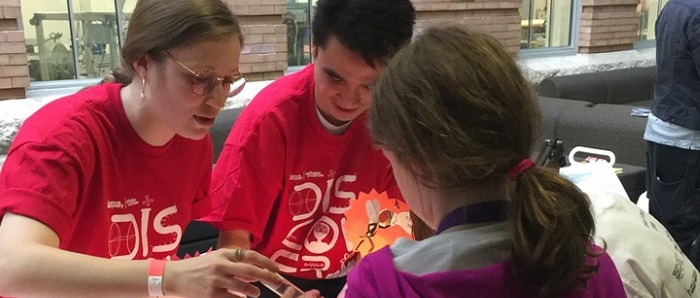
<point x="98" y="186"/>
<point x="457" y="119"/>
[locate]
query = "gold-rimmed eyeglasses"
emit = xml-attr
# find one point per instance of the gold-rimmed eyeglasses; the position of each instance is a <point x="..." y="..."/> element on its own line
<point x="205" y="81"/>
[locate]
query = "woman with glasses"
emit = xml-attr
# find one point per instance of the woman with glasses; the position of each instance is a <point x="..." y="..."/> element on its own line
<point x="99" y="186"/>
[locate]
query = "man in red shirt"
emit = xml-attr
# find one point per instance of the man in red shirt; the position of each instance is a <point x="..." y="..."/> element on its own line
<point x="300" y="155"/>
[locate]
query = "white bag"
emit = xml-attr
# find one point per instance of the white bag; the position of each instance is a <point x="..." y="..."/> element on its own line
<point x="648" y="260"/>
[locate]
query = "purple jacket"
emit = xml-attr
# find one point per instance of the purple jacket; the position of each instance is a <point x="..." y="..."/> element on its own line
<point x="376" y="276"/>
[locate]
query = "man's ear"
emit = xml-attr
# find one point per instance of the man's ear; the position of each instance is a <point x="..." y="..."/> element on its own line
<point x="314" y="50"/>
<point x="142" y="64"/>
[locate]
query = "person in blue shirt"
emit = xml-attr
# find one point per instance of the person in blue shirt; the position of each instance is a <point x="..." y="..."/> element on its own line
<point x="673" y="127"/>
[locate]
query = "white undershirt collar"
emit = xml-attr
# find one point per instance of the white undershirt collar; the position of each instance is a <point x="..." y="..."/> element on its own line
<point x="329" y="127"/>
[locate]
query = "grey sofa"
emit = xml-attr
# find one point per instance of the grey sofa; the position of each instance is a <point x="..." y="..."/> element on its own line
<point x="594" y="110"/>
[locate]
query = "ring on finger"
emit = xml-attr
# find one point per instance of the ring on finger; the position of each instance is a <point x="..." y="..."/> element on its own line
<point x="238" y="254"/>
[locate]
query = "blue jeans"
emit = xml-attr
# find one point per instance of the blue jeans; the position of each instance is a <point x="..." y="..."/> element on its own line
<point x="673" y="188"/>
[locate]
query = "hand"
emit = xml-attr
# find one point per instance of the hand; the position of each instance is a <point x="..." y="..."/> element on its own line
<point x="223" y="272"/>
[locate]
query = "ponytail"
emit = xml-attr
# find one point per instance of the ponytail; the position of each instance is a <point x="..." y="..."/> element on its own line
<point x="119" y="75"/>
<point x="552" y="233"/>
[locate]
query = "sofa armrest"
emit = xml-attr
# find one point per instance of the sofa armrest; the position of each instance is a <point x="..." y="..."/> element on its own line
<point x="591" y="87"/>
<point x="619" y="86"/>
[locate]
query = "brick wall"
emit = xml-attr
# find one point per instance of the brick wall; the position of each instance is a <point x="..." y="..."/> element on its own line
<point x="14" y="73"/>
<point x="498" y="18"/>
<point x="608" y="25"/>
<point x="264" y="55"/>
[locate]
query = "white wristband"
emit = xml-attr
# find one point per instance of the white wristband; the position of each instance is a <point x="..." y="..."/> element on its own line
<point x="155" y="278"/>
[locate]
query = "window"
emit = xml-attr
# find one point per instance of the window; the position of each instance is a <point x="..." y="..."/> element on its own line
<point x="73" y="39"/>
<point x="546" y="23"/>
<point x="648" y="11"/>
<point x="298" y="21"/>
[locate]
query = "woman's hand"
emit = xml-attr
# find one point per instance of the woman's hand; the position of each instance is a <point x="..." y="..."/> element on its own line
<point x="224" y="272"/>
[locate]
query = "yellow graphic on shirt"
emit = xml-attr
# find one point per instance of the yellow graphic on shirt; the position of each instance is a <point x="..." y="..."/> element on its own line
<point x="375" y="220"/>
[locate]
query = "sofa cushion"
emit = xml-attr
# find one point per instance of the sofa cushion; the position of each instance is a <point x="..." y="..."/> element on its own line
<point x="620" y="86"/>
<point x="630" y="85"/>
<point x="551" y="109"/>
<point x="605" y="126"/>
<point x="641" y="104"/>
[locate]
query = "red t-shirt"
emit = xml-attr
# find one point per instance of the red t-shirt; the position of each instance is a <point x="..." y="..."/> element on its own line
<point x="291" y="184"/>
<point x="78" y="166"/>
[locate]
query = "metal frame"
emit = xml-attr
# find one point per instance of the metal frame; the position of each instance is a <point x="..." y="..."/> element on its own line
<point x="648" y="43"/>
<point x="37" y="86"/>
<point x="572" y="48"/>
<point x="118" y="6"/>
<point x="48" y="88"/>
<point x="73" y="38"/>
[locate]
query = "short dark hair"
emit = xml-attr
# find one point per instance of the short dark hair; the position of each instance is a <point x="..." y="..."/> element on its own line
<point x="374" y="29"/>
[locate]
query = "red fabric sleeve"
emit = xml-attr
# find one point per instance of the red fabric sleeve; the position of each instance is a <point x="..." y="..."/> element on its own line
<point x="247" y="178"/>
<point x="41" y="182"/>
